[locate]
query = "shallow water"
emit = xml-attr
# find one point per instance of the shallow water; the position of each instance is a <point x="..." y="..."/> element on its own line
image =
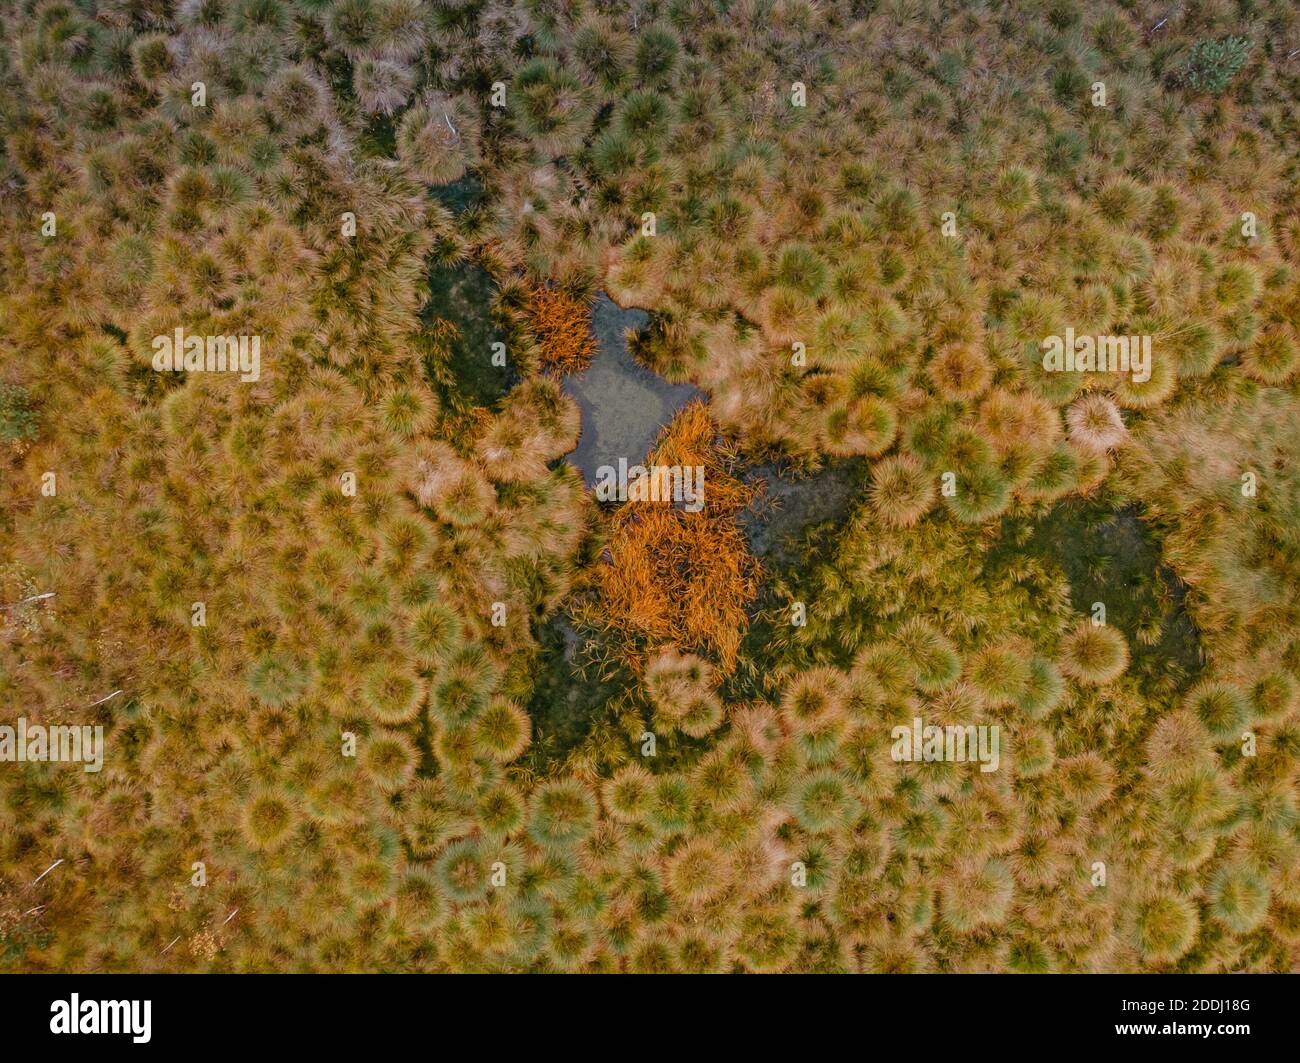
<point x="460" y="195"/>
<point x="1111" y="556"/>
<point x="623" y="404"/>
<point x="565" y="701"/>
<point x="463" y="295"/>
<point x="791" y="505"/>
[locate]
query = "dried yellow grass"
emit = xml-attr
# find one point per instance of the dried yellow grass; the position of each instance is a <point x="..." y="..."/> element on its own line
<point x="562" y="325"/>
<point x="678" y="577"/>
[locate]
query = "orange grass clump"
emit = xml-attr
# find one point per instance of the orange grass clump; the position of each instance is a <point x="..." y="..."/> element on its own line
<point x="676" y="576"/>
<point x="562" y="325"/>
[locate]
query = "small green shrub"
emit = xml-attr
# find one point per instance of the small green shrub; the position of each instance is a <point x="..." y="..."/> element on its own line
<point x="17" y="417"/>
<point x="1213" y="64"/>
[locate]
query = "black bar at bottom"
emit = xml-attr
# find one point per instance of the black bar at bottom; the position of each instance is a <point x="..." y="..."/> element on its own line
<point x="503" y="1012"/>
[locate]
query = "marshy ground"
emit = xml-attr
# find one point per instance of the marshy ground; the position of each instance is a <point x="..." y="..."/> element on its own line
<point x="624" y="405"/>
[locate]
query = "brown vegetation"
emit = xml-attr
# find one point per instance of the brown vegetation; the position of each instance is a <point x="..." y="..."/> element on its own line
<point x="562" y="324"/>
<point x="676" y="576"/>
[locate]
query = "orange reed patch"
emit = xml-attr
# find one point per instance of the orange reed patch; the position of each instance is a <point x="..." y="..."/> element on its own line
<point x="562" y="325"/>
<point x="671" y="575"/>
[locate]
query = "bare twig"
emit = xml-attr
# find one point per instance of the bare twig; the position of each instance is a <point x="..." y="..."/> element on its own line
<point x="102" y="700"/>
<point x="1161" y="23"/>
<point x="48" y="870"/>
<point x="33" y="598"/>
